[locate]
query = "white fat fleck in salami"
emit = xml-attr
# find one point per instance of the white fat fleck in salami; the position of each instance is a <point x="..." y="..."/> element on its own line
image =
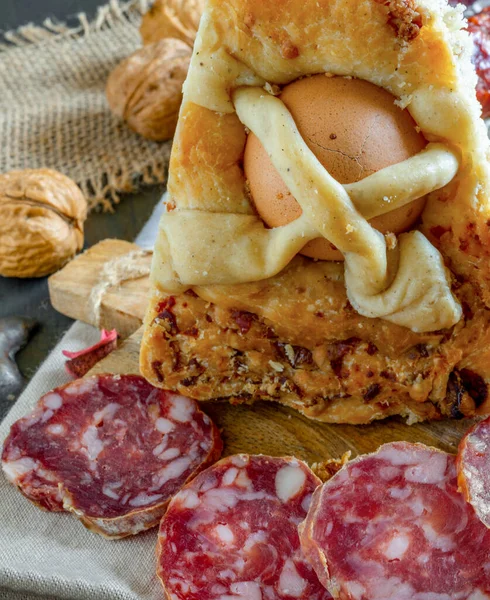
<point x="53" y="401"/>
<point x="106" y="413"/>
<point x="289" y="482"/>
<point x="169" y="454"/>
<point x="111" y="449"/>
<point x="79" y="387"/>
<point x="91" y="443"/>
<point x="16" y="469"/>
<point x="143" y="499"/>
<point x="172" y="470"/>
<point x="182" y="408"/>
<point x="189" y="499"/>
<point x="56" y="429"/>
<point x="290" y="581"/>
<point x="373" y="534"/>
<point x="229" y="476"/>
<point x="396" y="547"/>
<point x="225" y="534"/>
<point x="232" y="533"/>
<point x="474" y="469"/>
<point x="164" y="425"/>
<point x="245" y="590"/>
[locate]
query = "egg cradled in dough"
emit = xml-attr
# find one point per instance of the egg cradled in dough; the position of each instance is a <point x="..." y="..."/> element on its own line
<point x="354" y="128"/>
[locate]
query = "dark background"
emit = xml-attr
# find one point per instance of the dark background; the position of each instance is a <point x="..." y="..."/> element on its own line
<point x="29" y="297"/>
<point x="19" y="12"/>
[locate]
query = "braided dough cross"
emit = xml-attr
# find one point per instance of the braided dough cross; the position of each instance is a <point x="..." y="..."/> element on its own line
<point x="407" y="285"/>
<point x="379" y="283"/>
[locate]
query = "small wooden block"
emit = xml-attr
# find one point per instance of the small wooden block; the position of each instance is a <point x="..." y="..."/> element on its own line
<point x="273" y="429"/>
<point x="122" y="308"/>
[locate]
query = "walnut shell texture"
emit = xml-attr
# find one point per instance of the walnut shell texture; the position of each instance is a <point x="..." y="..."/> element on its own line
<point x="41" y="222"/>
<point x="172" y="19"/>
<point x="145" y="89"/>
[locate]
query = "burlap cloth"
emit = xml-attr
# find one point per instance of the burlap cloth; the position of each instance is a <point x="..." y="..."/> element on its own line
<point x="51" y="555"/>
<point x="53" y="110"/>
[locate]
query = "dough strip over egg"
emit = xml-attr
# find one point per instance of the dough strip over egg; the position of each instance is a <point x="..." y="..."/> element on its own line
<point x="395" y="186"/>
<point x="419" y="295"/>
<point x="408" y="286"/>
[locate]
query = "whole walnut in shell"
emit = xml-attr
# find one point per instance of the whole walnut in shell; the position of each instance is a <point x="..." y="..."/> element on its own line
<point x="41" y="222"/>
<point x="145" y="89"/>
<point x="172" y="18"/>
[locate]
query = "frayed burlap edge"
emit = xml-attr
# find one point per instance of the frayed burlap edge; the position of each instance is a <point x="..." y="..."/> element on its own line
<point x="106" y="191"/>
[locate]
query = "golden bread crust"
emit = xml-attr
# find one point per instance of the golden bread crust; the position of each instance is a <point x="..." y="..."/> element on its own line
<point x="418" y="52"/>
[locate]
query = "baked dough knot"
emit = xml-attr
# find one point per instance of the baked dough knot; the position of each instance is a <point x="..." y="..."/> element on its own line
<point x="407" y="284"/>
<point x="213" y="237"/>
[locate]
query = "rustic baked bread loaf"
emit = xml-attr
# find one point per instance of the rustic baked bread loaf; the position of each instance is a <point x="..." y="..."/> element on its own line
<point x="396" y="329"/>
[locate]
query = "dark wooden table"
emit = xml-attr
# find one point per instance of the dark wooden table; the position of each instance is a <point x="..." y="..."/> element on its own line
<point x="29" y="297"/>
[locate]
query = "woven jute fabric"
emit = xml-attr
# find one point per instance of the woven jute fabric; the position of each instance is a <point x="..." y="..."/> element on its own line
<point x="53" y="109"/>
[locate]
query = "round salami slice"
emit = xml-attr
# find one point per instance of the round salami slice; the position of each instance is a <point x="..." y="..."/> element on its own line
<point x="393" y="526"/>
<point x="232" y="533"/>
<point x="474" y="469"/>
<point x="112" y="449"/>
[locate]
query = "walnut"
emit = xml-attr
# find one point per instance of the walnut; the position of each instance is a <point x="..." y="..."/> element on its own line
<point x="41" y="222"/>
<point x="145" y="89"/>
<point x="172" y="19"/>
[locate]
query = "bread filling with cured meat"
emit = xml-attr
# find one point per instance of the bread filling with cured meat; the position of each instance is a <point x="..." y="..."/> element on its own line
<point x="331" y="364"/>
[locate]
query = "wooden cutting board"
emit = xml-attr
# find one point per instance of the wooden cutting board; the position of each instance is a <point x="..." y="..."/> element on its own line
<point x="263" y="427"/>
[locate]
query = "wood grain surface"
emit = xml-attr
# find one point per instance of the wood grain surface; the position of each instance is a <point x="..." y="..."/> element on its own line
<point x="122" y="306"/>
<point x="269" y="428"/>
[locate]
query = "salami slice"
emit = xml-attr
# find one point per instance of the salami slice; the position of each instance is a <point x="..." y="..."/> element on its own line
<point x="393" y="526"/>
<point x="232" y="534"/>
<point x="474" y="469"/>
<point x="112" y="449"/>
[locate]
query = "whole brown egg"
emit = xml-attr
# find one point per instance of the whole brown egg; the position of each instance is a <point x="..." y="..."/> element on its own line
<point x="354" y="128"/>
